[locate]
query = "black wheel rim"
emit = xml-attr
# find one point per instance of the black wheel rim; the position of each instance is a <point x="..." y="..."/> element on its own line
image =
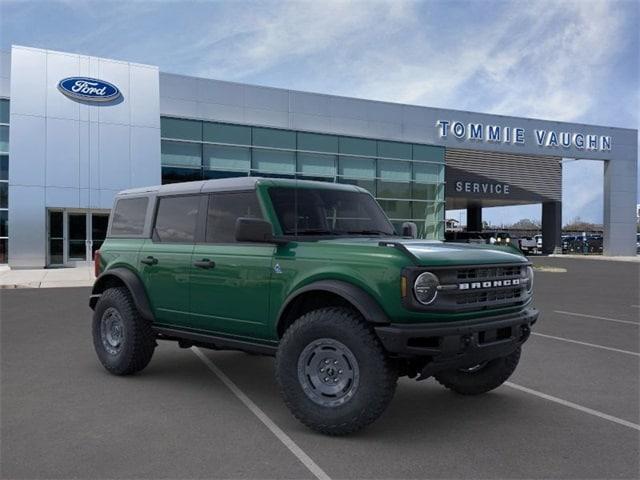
<point x="473" y="368"/>
<point x="112" y="330"/>
<point x="328" y="372"/>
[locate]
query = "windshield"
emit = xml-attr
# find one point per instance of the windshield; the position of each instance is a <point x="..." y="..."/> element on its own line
<point x="318" y="211"/>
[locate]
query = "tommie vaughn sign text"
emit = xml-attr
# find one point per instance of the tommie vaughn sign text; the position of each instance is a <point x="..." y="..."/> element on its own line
<point x="479" y="132"/>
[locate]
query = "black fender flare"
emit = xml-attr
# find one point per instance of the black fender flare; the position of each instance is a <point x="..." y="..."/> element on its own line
<point x="356" y="296"/>
<point x="133" y="283"/>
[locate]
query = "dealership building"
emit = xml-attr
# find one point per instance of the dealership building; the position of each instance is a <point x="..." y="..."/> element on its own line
<point x="75" y="130"/>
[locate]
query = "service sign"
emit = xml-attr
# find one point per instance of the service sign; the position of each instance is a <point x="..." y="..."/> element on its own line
<point x="88" y="89"/>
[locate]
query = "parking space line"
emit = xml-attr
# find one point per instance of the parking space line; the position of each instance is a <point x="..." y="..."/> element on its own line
<point x="575" y="406"/>
<point x="586" y="344"/>
<point x="596" y="317"/>
<point x="257" y="411"/>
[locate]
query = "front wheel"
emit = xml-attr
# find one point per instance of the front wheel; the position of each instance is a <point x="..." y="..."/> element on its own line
<point x="480" y="378"/>
<point x="333" y="373"/>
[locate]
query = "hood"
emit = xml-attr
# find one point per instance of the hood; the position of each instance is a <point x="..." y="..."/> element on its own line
<point x="437" y="253"/>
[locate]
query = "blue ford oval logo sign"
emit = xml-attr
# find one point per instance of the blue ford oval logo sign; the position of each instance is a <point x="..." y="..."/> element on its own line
<point x="89" y="89"/>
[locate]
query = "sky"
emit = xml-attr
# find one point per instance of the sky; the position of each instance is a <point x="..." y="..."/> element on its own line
<point x="557" y="60"/>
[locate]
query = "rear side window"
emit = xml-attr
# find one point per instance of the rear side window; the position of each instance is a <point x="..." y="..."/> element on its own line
<point x="128" y="216"/>
<point x="176" y="219"/>
<point x="224" y="210"/>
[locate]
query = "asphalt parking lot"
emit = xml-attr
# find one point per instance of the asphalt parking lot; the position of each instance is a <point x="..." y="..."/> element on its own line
<point x="570" y="411"/>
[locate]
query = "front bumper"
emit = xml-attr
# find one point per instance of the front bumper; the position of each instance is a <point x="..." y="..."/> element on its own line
<point x="458" y="344"/>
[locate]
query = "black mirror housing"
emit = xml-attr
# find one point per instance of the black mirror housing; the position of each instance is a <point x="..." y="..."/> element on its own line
<point x="409" y="229"/>
<point x="254" y="230"/>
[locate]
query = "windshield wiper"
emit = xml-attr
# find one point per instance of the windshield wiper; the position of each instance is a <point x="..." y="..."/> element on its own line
<point x="316" y="231"/>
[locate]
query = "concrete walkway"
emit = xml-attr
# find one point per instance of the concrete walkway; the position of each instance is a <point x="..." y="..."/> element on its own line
<point x="47" y="277"/>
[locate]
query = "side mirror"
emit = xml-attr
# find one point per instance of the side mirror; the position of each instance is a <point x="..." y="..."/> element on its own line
<point x="409" y="229"/>
<point x="254" y="230"/>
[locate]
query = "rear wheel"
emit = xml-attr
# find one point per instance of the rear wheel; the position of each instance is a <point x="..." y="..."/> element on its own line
<point x="333" y="373"/>
<point x="480" y="378"/>
<point x="123" y="340"/>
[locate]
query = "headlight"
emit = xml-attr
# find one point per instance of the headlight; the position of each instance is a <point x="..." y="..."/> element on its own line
<point x="529" y="279"/>
<point x="492" y="240"/>
<point x="425" y="288"/>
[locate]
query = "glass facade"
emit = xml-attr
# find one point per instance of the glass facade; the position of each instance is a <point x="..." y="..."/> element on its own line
<point x="407" y="179"/>
<point x="4" y="181"/>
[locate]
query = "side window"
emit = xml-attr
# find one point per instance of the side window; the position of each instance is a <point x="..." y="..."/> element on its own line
<point x="176" y="219"/>
<point x="224" y="210"/>
<point x="128" y="216"/>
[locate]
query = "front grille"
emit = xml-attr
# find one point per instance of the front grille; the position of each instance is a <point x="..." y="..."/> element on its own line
<point x="513" y="271"/>
<point x="509" y="295"/>
<point x="475" y="287"/>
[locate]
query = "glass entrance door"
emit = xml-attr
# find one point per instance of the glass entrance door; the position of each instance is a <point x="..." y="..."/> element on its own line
<point x="56" y="238"/>
<point x="99" y="222"/>
<point x="77" y="236"/>
<point x="74" y="236"/>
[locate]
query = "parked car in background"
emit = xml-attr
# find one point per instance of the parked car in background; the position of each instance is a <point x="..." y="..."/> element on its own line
<point x="528" y="245"/>
<point x="486" y="237"/>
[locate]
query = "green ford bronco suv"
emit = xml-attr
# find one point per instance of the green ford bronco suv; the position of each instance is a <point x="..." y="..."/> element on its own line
<point x="314" y="274"/>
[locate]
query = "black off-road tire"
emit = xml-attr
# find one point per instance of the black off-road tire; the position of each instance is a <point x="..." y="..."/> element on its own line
<point x="490" y="376"/>
<point x="377" y="376"/>
<point x="137" y="339"/>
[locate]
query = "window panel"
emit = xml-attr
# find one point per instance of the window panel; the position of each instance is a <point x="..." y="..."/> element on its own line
<point x="274" y="161"/>
<point x="4" y="195"/>
<point x="4" y="167"/>
<point x="128" y="216"/>
<point x="271" y="137"/>
<point x="358" y="167"/>
<point x="224" y="210"/>
<point x="4" y="251"/>
<point x="317" y="143"/>
<point x="394" y="150"/>
<point x="224" y="133"/>
<point x="4" y="111"/>
<point x="176" y="219"/>
<point x="395" y="171"/>
<point x="4" y="139"/>
<point x="428" y="172"/>
<point x="175" y="175"/>
<point x="178" y="128"/>
<point x="315" y="164"/>
<point x="393" y="189"/>
<point x="425" y="191"/>
<point x="428" y="153"/>
<point x="396" y="209"/>
<point x="181" y="154"/>
<point x="227" y="158"/>
<point x="369" y="185"/>
<point x="358" y="146"/>
<point x="4" y="223"/>
<point x="213" y="174"/>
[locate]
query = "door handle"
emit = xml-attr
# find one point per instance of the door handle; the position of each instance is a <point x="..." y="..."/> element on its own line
<point x="149" y="260"/>
<point x="204" y="263"/>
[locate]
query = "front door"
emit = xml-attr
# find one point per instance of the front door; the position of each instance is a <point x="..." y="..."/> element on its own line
<point x="165" y="259"/>
<point x="230" y="281"/>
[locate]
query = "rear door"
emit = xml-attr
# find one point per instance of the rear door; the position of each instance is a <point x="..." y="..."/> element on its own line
<point x="229" y="280"/>
<point x="165" y="259"/>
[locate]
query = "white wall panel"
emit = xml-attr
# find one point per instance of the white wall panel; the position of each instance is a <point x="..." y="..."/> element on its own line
<point x="62" y="197"/>
<point x="144" y="97"/>
<point x="145" y="157"/>
<point x="59" y="66"/>
<point x="223" y="93"/>
<point x="118" y="74"/>
<point x="27" y="142"/>
<point x="62" y="166"/>
<point x="27" y="241"/>
<point x="266" y="98"/>
<point x="28" y="81"/>
<point x="115" y="160"/>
